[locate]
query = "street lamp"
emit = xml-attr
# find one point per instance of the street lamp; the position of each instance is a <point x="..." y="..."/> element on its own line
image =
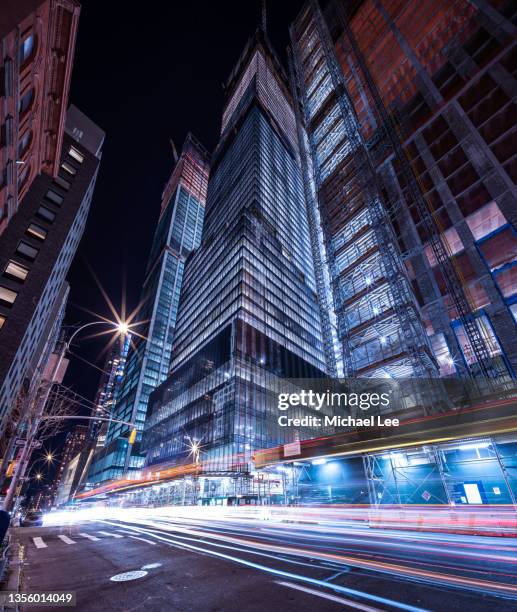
<point x="120" y="326"/>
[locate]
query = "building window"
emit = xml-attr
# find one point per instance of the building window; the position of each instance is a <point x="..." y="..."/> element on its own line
<point x="24" y="143"/>
<point x="36" y="231"/>
<point x="47" y="214"/>
<point x="2" y="321"/>
<point x="26" y="250"/>
<point x="16" y="270"/>
<point x="26" y="49"/>
<point x="76" y="154"/>
<point x="26" y="101"/>
<point x="69" y="168"/>
<point x="513" y="310"/>
<point x="7" y="296"/>
<point x="54" y="197"/>
<point x="63" y="183"/>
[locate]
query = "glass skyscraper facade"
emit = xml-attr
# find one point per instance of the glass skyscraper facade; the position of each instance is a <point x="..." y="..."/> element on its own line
<point x="249" y="312"/>
<point x="178" y="232"/>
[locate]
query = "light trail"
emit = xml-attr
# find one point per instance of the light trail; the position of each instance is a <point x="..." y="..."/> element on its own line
<point x="436" y="560"/>
<point x="427" y="576"/>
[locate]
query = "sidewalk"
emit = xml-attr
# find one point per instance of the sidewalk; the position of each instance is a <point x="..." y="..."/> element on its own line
<point x="12" y="570"/>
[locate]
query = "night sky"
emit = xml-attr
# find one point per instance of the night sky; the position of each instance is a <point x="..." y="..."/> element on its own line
<point x="144" y="76"/>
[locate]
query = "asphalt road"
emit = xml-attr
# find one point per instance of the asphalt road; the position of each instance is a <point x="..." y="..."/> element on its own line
<point x="227" y="565"/>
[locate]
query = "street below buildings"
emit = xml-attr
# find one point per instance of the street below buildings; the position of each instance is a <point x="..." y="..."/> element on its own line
<point x="187" y="561"/>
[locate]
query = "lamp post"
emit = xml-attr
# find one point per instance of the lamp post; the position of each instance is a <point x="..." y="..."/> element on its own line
<point x="23" y="462"/>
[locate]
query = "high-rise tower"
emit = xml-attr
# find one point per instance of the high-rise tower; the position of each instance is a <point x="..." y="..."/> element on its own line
<point x="36" y="251"/>
<point x="249" y="312"/>
<point x="178" y="232"/>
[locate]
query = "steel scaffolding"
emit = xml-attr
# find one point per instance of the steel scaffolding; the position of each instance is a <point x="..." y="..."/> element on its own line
<point x="379" y="324"/>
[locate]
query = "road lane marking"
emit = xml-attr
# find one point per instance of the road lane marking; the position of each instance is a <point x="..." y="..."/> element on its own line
<point x="66" y="539"/>
<point x="334" y="576"/>
<point x="111" y="535"/>
<point x="90" y="537"/>
<point x="341" y="600"/>
<point x="143" y="540"/>
<point x="39" y="543"/>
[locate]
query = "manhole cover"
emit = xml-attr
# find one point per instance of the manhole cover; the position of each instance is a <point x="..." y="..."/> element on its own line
<point x="128" y="576"/>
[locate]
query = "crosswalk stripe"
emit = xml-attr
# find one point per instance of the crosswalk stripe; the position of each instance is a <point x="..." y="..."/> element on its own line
<point x="66" y="539"/>
<point x="143" y="540"/>
<point x="107" y="533"/>
<point x="39" y="543"/>
<point x="90" y="537"/>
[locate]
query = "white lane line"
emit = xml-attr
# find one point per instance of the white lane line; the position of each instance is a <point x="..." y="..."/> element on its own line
<point x="66" y="539"/>
<point x="39" y="543"/>
<point x="112" y="535"/>
<point x="90" y="537"/>
<point x="341" y="600"/>
<point x="143" y="540"/>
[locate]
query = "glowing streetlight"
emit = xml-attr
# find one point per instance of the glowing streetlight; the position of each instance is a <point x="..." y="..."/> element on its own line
<point x="39" y="476"/>
<point x="49" y="457"/>
<point x="122" y="328"/>
<point x="195" y="449"/>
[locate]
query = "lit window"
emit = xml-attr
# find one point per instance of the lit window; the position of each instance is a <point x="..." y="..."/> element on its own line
<point x="26" y="49"/>
<point x="76" y="154"/>
<point x="16" y="270"/>
<point x="26" y="101"/>
<point x="2" y="321"/>
<point x="46" y="213"/>
<point x="7" y="296"/>
<point x="485" y="220"/>
<point x="36" y="231"/>
<point x="24" y="143"/>
<point x="54" y="197"/>
<point x="69" y="168"/>
<point x="27" y="250"/>
<point x="63" y="183"/>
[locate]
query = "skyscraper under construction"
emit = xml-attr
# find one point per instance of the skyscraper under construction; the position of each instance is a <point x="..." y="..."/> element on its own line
<point x="410" y="116"/>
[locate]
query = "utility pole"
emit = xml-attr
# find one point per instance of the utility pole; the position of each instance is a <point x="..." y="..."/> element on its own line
<point x="41" y="401"/>
<point x="30" y="442"/>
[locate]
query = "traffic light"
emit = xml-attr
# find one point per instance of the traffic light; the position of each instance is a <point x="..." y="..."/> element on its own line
<point x="132" y="436"/>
